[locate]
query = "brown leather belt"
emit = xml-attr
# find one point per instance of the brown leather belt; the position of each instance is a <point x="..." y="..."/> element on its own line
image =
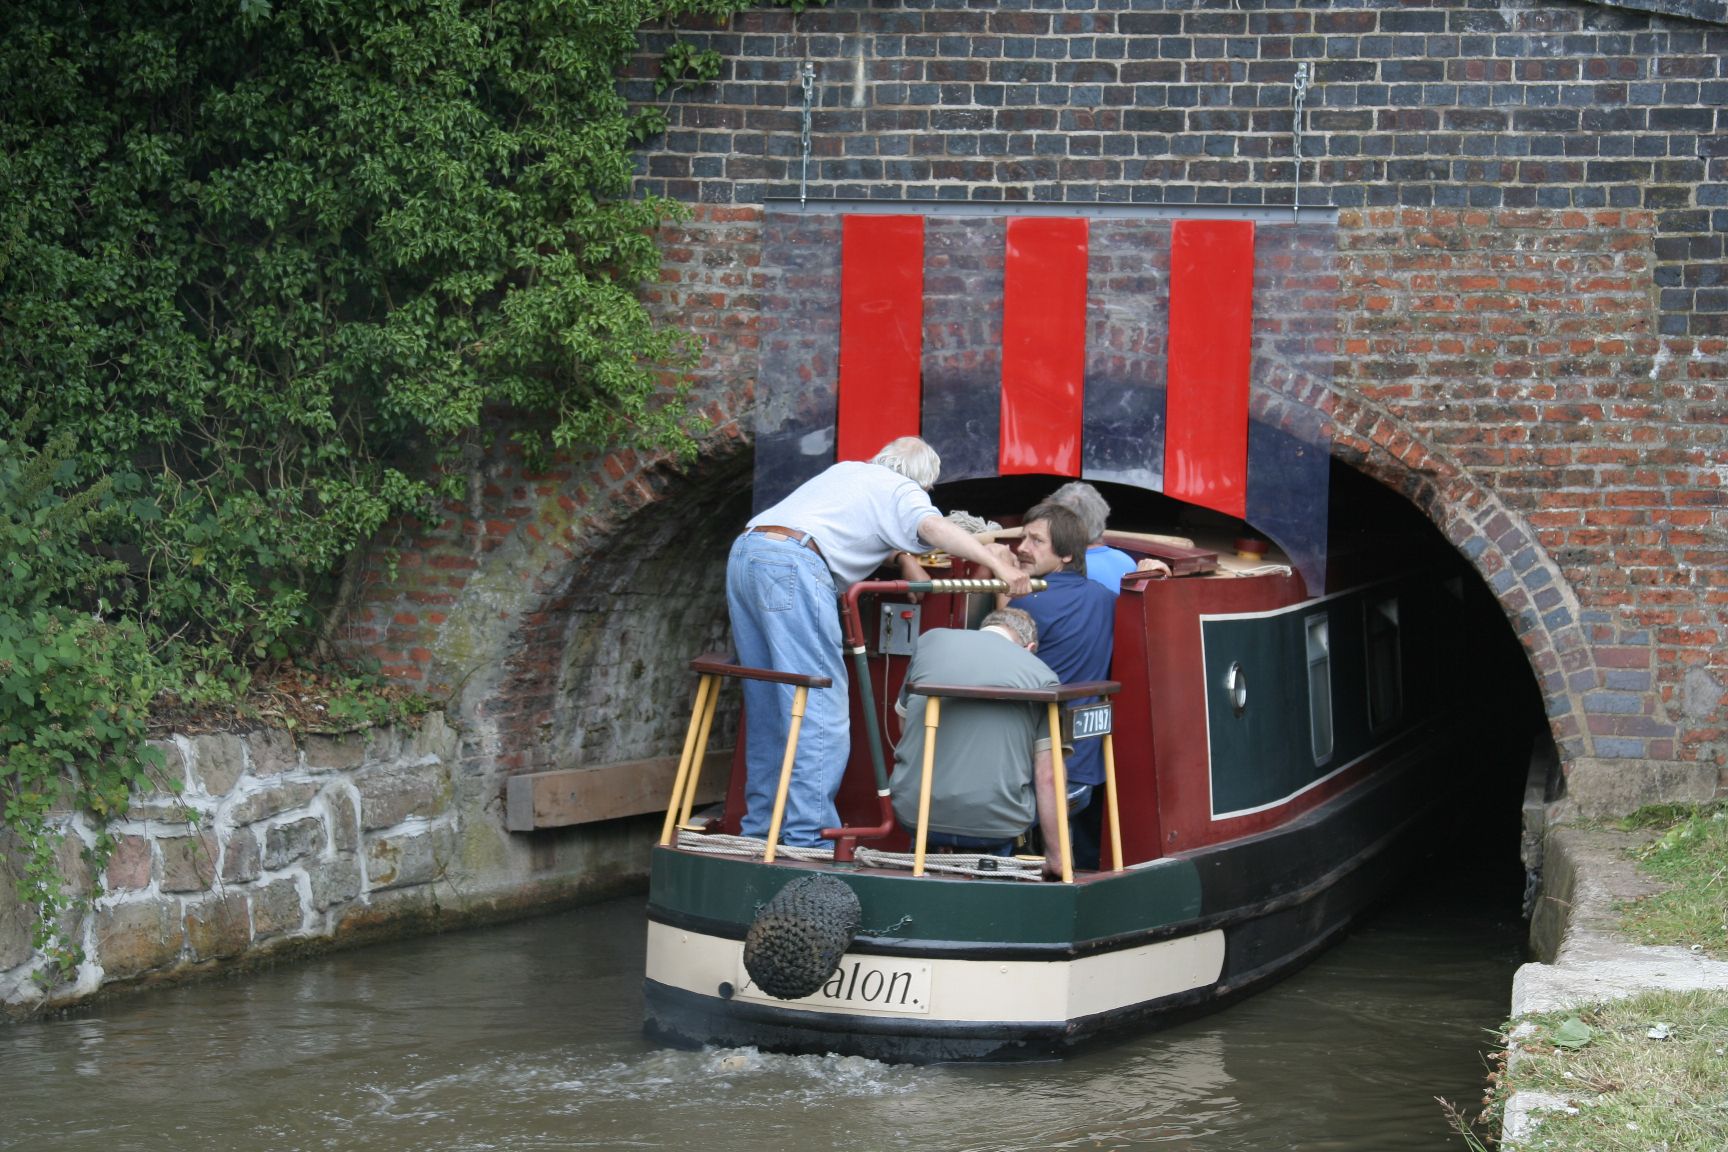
<point x="792" y="534"/>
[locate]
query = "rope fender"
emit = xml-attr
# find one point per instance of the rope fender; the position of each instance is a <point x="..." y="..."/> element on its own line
<point x="797" y="938"/>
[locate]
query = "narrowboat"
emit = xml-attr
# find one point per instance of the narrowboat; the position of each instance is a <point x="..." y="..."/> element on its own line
<point x="1285" y="708"/>
<point x="1273" y="751"/>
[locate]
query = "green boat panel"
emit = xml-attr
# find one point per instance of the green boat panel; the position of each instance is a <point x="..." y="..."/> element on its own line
<point x="952" y="911"/>
<point x="1269" y="751"/>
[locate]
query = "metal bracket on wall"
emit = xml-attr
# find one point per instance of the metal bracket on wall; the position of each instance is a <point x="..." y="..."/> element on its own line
<point x="807" y="80"/>
<point x="1093" y="209"/>
<point x="1299" y="93"/>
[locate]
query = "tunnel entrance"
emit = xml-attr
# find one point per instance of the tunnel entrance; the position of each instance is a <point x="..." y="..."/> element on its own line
<point x="1491" y="837"/>
<point x="642" y="605"/>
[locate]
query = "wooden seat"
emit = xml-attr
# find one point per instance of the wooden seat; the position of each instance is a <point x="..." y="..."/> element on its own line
<point x="712" y="667"/>
<point x="1052" y="699"/>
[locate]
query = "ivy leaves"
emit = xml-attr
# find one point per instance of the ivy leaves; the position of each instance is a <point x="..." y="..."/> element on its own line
<point x="75" y="681"/>
<point x="262" y="264"/>
<point x="271" y="260"/>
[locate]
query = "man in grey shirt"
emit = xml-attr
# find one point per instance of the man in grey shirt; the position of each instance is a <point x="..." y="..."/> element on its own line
<point x="992" y="775"/>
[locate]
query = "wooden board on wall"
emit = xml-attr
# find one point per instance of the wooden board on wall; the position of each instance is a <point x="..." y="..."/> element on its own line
<point x="567" y="796"/>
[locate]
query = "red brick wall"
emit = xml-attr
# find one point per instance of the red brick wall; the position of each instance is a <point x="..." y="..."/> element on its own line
<point x="1500" y="368"/>
<point x="1504" y="369"/>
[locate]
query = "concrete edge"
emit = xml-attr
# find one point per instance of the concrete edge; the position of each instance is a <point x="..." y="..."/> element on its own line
<point x="1583" y="957"/>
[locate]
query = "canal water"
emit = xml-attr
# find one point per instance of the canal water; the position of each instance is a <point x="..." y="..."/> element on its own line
<point x="526" y="1037"/>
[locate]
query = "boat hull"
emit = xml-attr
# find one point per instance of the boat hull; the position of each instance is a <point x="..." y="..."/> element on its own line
<point x="1023" y="970"/>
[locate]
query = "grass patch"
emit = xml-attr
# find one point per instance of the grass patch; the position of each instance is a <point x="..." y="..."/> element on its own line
<point x="1645" y="1074"/>
<point x="1690" y="855"/>
<point x="1648" y="1073"/>
<point x="326" y="700"/>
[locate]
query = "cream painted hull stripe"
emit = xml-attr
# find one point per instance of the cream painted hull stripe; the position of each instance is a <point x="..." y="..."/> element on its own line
<point x="1025" y="991"/>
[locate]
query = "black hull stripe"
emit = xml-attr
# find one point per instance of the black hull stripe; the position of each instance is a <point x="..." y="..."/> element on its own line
<point x="676" y="1016"/>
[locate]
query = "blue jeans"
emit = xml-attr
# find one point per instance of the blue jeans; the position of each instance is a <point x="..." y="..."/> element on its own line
<point x="782" y="601"/>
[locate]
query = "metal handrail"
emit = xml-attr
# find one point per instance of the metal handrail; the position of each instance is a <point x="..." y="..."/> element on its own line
<point x="712" y="667"/>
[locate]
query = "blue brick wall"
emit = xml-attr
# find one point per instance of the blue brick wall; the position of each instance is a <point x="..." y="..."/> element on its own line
<point x="1473" y="103"/>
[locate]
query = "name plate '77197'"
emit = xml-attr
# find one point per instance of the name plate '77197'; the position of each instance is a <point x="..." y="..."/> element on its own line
<point x="1089" y="721"/>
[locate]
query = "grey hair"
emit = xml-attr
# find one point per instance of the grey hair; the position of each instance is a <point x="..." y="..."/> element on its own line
<point x="1084" y="501"/>
<point x="913" y="459"/>
<point x="1016" y="621"/>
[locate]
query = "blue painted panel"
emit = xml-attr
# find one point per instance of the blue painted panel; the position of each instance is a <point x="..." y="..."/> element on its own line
<point x="1127" y="305"/>
<point x="797" y="381"/>
<point x="963" y="270"/>
<point x="1289" y="437"/>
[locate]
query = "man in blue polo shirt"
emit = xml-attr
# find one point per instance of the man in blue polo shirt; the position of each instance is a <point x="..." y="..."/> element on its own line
<point x="1076" y="620"/>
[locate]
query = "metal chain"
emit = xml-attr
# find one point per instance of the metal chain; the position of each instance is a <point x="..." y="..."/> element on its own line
<point x="1301" y="99"/>
<point x="807" y="78"/>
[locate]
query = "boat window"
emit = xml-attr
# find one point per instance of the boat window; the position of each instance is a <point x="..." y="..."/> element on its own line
<point x="1320" y="686"/>
<point x="1385" y="662"/>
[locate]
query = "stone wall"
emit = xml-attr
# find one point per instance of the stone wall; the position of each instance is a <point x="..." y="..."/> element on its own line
<point x="280" y="845"/>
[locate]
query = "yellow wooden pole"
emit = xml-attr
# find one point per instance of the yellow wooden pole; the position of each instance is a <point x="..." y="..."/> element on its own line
<point x="701" y="754"/>
<point x="1059" y="772"/>
<point x="798" y="695"/>
<point x="932" y="716"/>
<point x="684" y="760"/>
<point x="1110" y="800"/>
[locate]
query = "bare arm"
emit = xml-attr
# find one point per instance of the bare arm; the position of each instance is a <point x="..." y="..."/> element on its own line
<point x="911" y="570"/>
<point x="956" y="541"/>
<point x="1049" y="811"/>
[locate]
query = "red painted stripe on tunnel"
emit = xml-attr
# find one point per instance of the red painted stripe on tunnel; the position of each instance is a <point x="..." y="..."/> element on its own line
<point x="881" y="332"/>
<point x="1211" y="327"/>
<point x="1043" y="345"/>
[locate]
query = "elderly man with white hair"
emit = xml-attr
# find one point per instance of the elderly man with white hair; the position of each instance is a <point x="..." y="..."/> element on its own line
<point x="782" y="580"/>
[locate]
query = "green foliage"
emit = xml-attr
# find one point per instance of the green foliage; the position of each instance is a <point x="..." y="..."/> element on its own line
<point x="1638" y="1073"/>
<point x="265" y="259"/>
<point x="75" y="684"/>
<point x="1690" y="857"/>
<point x="264" y="265"/>
<point x="684" y="63"/>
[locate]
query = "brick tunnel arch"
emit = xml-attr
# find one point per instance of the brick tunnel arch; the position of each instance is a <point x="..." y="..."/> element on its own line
<point x="1577" y="659"/>
<point x="587" y="662"/>
<point x="557" y="612"/>
<point x="613" y="646"/>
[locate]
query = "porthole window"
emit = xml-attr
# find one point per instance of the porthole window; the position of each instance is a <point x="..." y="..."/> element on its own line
<point x="1236" y="689"/>
<point x="1385" y="662"/>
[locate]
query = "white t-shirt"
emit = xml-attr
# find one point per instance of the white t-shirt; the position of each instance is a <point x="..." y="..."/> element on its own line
<point x="858" y="513"/>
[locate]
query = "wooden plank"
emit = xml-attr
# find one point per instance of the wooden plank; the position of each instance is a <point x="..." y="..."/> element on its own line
<point x="1135" y="539"/>
<point x="1182" y="561"/>
<point x="568" y="796"/>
